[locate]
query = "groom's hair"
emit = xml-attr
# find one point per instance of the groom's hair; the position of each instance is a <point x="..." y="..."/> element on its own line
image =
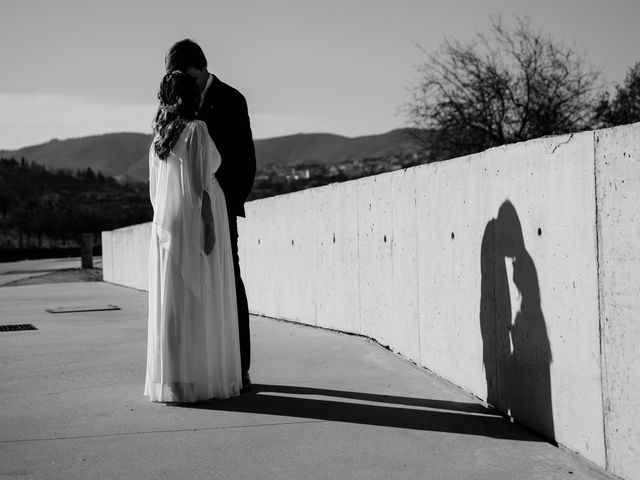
<point x="184" y="54"/>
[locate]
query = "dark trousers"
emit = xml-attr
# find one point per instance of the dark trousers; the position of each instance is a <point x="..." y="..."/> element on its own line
<point x="241" y="296"/>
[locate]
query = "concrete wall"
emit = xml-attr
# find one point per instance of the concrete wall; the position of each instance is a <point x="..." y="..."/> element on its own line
<point x="511" y="273"/>
<point x="125" y="256"/>
<point x="618" y="223"/>
<point x="422" y="260"/>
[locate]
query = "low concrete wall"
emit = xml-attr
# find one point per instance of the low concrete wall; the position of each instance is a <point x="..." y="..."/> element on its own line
<point x="618" y="225"/>
<point x="125" y="257"/>
<point x="511" y="273"/>
<point x="422" y="260"/>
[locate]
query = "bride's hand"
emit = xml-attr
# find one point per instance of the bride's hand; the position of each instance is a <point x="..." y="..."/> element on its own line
<point x="209" y="237"/>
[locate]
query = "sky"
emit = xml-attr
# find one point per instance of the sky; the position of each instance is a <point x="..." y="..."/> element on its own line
<point x="75" y="68"/>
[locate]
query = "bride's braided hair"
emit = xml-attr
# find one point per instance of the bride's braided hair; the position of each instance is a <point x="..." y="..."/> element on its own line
<point x="179" y="99"/>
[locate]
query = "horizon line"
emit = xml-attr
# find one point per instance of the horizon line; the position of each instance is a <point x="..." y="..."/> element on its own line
<point x="58" y="139"/>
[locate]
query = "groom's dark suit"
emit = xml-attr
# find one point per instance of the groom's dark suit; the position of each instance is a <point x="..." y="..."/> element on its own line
<point x="225" y="112"/>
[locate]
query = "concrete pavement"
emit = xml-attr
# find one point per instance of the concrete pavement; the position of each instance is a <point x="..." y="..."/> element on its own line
<point x="325" y="406"/>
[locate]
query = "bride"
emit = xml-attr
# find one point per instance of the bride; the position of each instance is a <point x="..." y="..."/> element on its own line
<point x="193" y="351"/>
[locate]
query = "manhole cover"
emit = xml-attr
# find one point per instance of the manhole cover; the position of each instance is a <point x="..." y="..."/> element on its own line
<point x="17" y="328"/>
<point x="83" y="308"/>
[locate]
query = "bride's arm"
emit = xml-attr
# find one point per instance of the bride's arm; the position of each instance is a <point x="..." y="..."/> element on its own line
<point x="200" y="174"/>
<point x="207" y="218"/>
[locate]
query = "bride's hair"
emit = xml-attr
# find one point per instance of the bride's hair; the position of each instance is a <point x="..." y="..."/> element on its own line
<point x="179" y="100"/>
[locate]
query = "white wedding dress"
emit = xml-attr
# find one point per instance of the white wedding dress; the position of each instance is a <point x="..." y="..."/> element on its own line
<point x="193" y="350"/>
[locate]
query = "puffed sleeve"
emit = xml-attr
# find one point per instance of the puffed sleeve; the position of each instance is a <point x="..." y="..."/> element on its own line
<point x="201" y="156"/>
<point x="197" y="176"/>
<point x="179" y="183"/>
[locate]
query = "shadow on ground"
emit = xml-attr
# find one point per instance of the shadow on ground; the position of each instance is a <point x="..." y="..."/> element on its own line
<point x="379" y="410"/>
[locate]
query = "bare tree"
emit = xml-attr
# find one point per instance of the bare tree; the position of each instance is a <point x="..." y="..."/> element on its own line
<point x="508" y="86"/>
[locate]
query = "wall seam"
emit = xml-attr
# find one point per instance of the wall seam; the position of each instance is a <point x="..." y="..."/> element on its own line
<point x="498" y="398"/>
<point x="598" y="235"/>
<point x="357" y="185"/>
<point x="417" y="232"/>
<point x="314" y="261"/>
<point x="392" y="234"/>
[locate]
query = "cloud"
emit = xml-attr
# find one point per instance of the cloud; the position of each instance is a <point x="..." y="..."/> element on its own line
<point x="37" y="118"/>
<point x="267" y="125"/>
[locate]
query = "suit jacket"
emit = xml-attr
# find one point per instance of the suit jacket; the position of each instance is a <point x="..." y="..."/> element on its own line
<point x="224" y="110"/>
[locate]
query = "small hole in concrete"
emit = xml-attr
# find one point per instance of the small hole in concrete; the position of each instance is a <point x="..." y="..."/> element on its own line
<point x="539" y="231"/>
<point x="291" y="242"/>
<point x="453" y="235"/>
<point x="334" y="238"/>
<point x="258" y="241"/>
<point x="385" y="239"/>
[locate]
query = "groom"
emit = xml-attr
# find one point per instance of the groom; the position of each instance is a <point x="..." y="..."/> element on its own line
<point x="224" y="110"/>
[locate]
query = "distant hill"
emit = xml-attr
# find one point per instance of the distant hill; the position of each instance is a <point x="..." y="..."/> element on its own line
<point x="54" y="207"/>
<point x="113" y="154"/>
<point x="328" y="149"/>
<point x="124" y="155"/>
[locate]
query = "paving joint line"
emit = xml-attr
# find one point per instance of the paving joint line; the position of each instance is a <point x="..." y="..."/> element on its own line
<point x="180" y="430"/>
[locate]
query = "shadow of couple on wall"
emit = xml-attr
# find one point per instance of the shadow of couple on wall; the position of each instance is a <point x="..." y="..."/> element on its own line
<point x="516" y="348"/>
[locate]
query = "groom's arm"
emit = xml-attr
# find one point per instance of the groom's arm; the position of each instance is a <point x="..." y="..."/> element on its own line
<point x="246" y="153"/>
<point x="233" y="137"/>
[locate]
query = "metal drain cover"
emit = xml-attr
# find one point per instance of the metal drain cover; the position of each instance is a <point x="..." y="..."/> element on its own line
<point x="82" y="308"/>
<point x="17" y="328"/>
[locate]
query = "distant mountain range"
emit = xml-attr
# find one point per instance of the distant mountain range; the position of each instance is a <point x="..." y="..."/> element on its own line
<point x="125" y="155"/>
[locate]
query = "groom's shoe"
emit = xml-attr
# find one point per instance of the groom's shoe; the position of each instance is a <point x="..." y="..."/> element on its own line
<point x="246" y="382"/>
